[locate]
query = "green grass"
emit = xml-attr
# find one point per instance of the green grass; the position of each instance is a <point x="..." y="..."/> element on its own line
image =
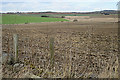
<point x="18" y="19"/>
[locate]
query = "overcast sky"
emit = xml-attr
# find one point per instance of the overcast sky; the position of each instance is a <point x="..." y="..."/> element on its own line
<point x="58" y="5"/>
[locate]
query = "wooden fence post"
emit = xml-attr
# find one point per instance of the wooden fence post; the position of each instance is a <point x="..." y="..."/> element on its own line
<point x="52" y="51"/>
<point x="15" y="46"/>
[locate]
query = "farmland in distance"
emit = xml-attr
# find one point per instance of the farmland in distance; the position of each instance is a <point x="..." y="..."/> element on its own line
<point x="18" y="19"/>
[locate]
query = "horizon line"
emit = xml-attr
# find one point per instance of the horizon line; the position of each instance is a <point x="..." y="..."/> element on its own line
<point x="58" y="11"/>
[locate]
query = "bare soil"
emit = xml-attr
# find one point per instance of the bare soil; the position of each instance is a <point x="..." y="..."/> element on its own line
<point x="81" y="49"/>
<point x="108" y="18"/>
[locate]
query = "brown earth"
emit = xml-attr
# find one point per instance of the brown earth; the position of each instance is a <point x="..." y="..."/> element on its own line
<point x="108" y="18"/>
<point x="81" y="49"/>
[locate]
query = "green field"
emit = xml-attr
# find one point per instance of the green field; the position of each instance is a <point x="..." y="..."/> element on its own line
<point x="18" y="19"/>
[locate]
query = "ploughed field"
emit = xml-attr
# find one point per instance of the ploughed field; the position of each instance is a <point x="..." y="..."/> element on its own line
<point x="81" y="49"/>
